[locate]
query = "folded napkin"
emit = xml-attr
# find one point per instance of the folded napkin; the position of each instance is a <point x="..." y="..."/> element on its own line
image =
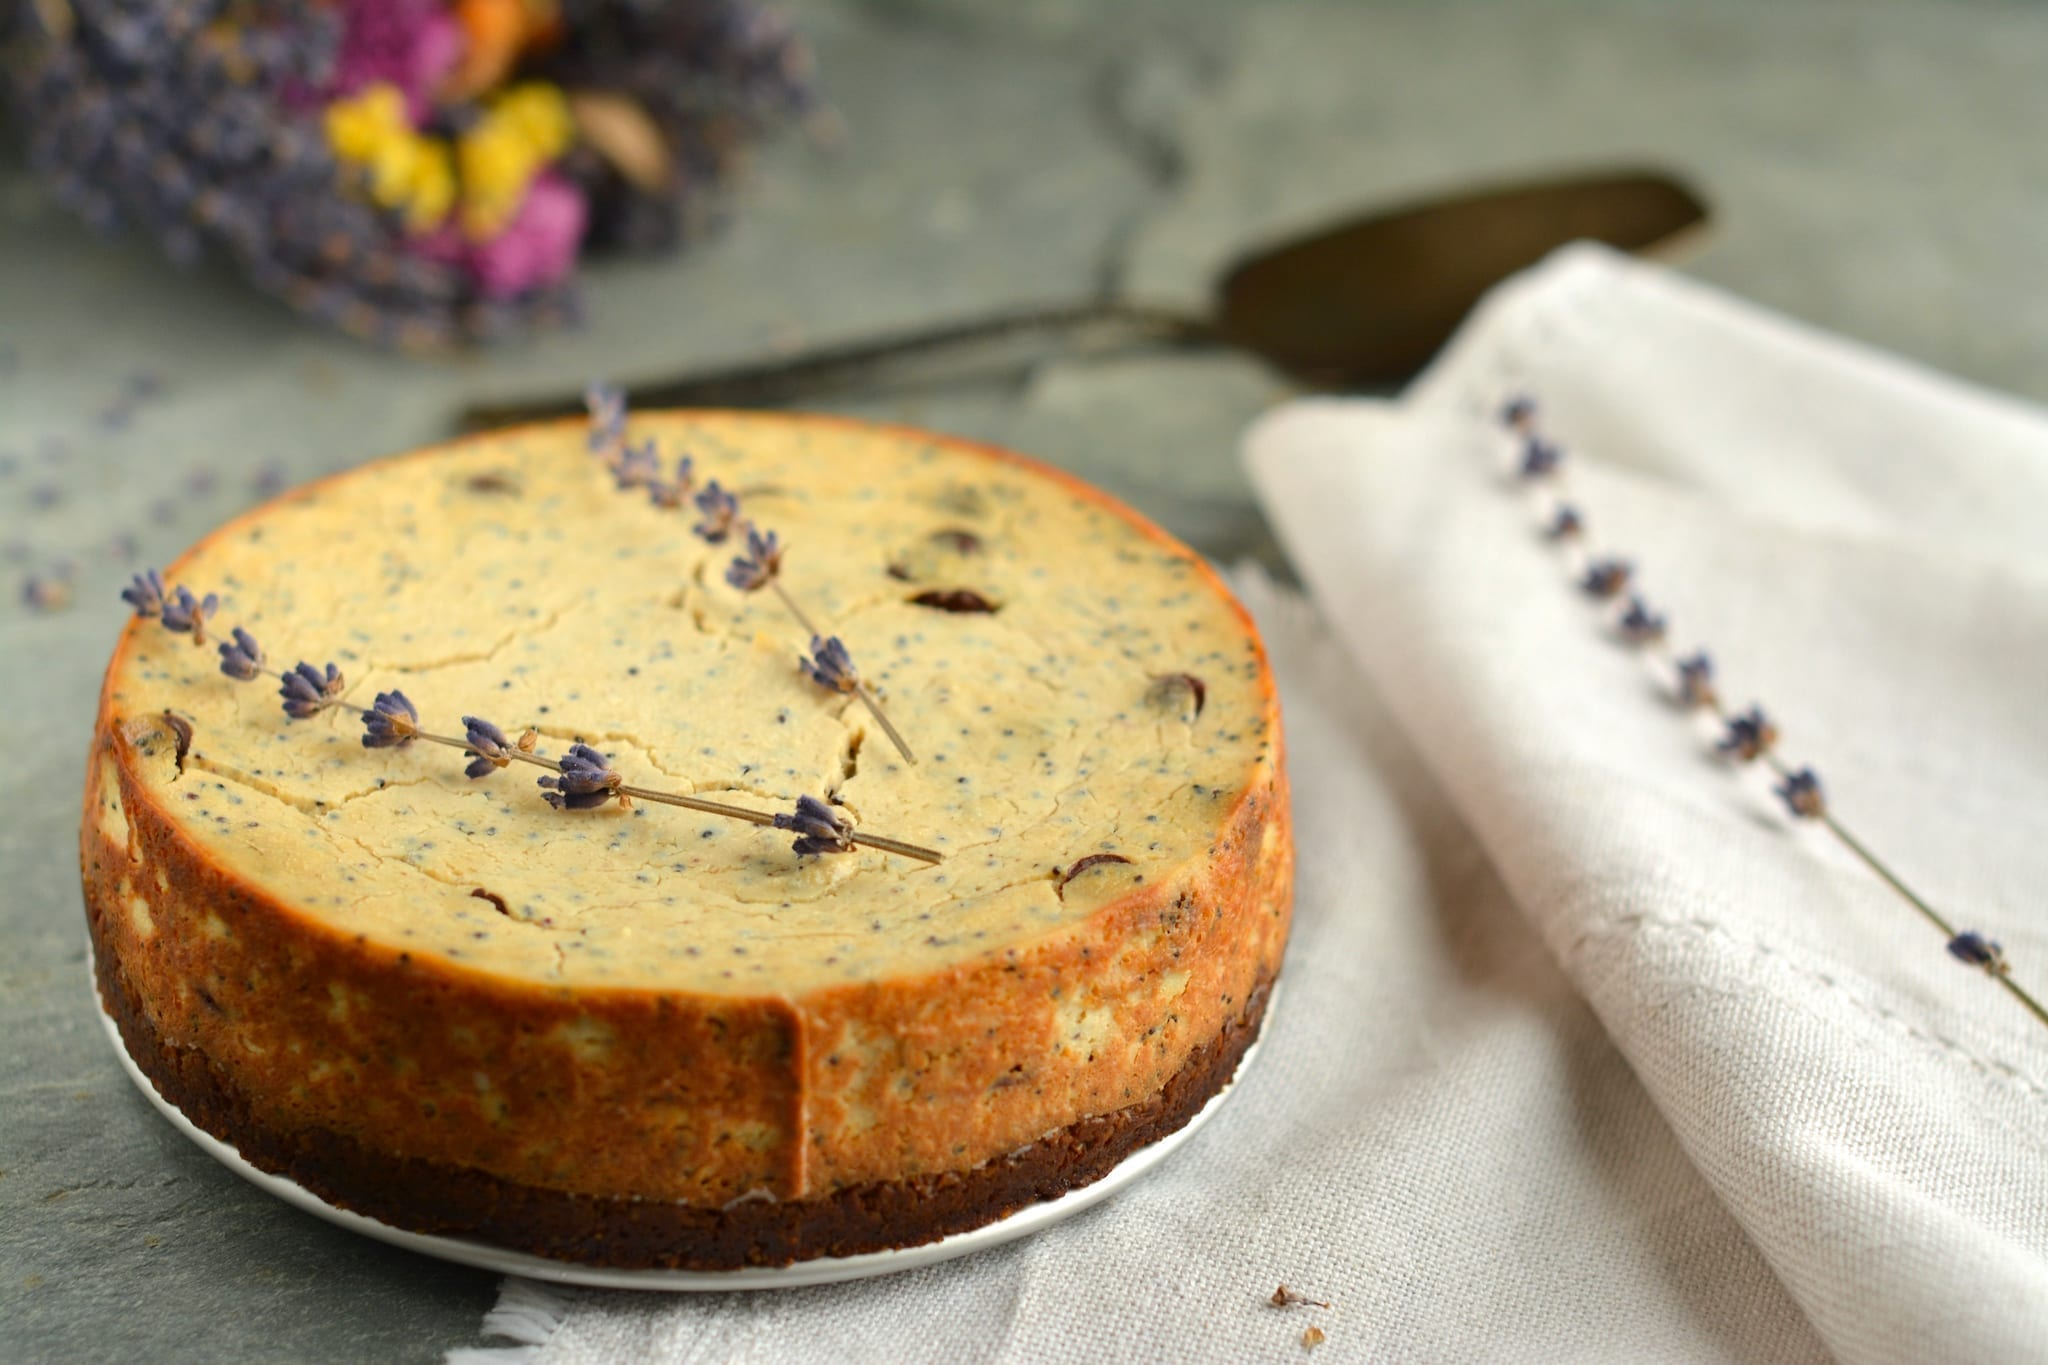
<point x="1863" y="547"/>
<point x="1586" y="1051"/>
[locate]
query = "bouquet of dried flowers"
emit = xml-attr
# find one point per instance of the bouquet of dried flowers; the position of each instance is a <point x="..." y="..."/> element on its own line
<point x="420" y="173"/>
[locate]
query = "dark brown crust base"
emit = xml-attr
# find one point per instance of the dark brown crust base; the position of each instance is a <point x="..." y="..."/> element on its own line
<point x="641" y="1234"/>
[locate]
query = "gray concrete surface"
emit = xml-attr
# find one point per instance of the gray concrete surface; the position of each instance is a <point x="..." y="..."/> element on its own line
<point x="1879" y="168"/>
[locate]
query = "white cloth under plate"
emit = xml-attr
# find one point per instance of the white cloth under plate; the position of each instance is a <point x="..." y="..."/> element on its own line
<point x="1587" y="1051"/>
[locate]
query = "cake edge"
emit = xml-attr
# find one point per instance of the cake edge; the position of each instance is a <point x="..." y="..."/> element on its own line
<point x="1248" y="873"/>
<point x="629" y="1233"/>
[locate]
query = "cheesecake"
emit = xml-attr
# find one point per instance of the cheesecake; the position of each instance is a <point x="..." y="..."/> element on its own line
<point x="634" y="1035"/>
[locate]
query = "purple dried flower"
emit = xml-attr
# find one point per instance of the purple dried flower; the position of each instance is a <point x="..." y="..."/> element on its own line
<point x="1696" y="680"/>
<point x="307" y="691"/>
<point x="391" y="722"/>
<point x="585" y="781"/>
<point x="1978" y="951"/>
<point x="241" y="658"/>
<point x="830" y="666"/>
<point x="1802" y="795"/>
<point x="1518" y="412"/>
<point x="146" y="593"/>
<point x="1639" y="625"/>
<point x="672" y="492"/>
<point x="607" y="405"/>
<point x="187" y="614"/>
<point x="719" y="511"/>
<point x="1565" y="523"/>
<point x="1540" y="458"/>
<point x="1749" y="735"/>
<point x="47" y="592"/>
<point x="638" y="465"/>
<point x="818" y="827"/>
<point x="1606" y="577"/>
<point x="756" y="568"/>
<point x="492" y="749"/>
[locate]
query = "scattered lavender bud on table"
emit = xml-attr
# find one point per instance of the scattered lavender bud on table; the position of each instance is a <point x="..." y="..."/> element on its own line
<point x="1565" y="523"/>
<point x="46" y="591"/>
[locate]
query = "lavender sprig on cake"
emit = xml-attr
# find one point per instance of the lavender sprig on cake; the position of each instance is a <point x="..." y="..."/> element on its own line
<point x="1747" y="736"/>
<point x="582" y="779"/>
<point x="720" y="520"/>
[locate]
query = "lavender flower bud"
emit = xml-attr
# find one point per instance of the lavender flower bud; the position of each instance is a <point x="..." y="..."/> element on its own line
<point x="1518" y="412"/>
<point x="1565" y="523"/>
<point x="585" y="781"/>
<point x="307" y="692"/>
<point x="1540" y="458"/>
<point x="187" y="614"/>
<point x="241" y="657"/>
<point x="672" y="492"/>
<point x="818" y="827"/>
<point x="638" y="466"/>
<point x="756" y="568"/>
<point x="391" y="722"/>
<point x="46" y="592"/>
<point x="607" y="407"/>
<point x="1750" y="735"/>
<point x="1976" y="950"/>
<point x="1696" y="680"/>
<point x="719" y="511"/>
<point x="1802" y="795"/>
<point x="1639" y="625"/>
<point x="1606" y="577"/>
<point x="491" y="748"/>
<point x="146" y="593"/>
<point x="830" y="666"/>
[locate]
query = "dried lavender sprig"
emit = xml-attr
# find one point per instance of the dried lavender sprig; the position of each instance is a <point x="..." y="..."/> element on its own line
<point x="1750" y="735"/>
<point x="831" y="667"/>
<point x="1994" y="965"/>
<point x="392" y="721"/>
<point x="719" y="520"/>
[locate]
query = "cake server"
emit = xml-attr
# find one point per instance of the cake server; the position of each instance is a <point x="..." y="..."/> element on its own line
<point x="1362" y="302"/>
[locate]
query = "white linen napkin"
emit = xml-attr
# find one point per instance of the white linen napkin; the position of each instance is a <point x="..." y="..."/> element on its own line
<point x="1585" y="1051"/>
<point x="1864" y="548"/>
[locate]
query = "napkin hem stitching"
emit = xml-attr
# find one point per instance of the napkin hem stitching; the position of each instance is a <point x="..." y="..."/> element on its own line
<point x="2005" y="1071"/>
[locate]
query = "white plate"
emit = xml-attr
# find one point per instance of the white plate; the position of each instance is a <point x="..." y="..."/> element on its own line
<point x="824" y="1270"/>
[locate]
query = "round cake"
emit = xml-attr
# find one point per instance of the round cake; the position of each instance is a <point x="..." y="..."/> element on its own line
<point x="626" y="1034"/>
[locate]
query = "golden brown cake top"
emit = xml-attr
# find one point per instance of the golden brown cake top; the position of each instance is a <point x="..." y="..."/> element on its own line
<point x="506" y="577"/>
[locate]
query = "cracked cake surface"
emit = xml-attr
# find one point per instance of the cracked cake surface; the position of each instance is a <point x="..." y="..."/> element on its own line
<point x="651" y="1003"/>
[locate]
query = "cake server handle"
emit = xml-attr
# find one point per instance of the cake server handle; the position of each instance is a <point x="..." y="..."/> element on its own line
<point x="1090" y="324"/>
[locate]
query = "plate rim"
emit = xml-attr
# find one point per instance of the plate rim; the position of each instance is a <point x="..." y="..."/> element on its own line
<point x="797" y="1275"/>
